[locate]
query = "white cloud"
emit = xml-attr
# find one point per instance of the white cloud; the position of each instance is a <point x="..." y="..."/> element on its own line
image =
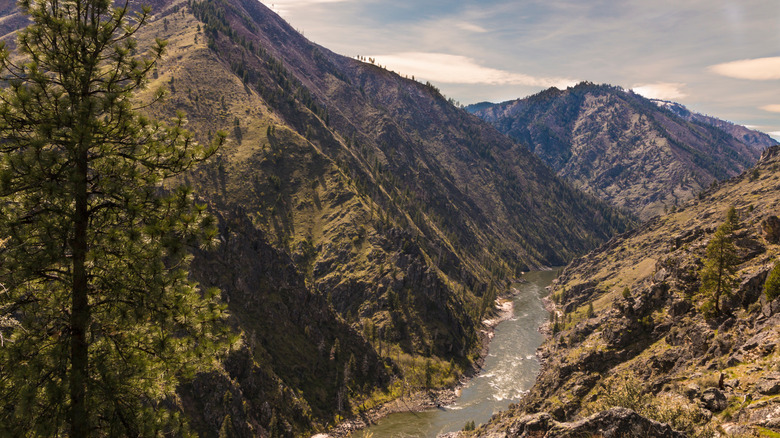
<point x="455" y="69"/>
<point x="774" y="134"/>
<point x="775" y="108"/>
<point x="470" y="27"/>
<point x="661" y="90"/>
<point x="758" y="69"/>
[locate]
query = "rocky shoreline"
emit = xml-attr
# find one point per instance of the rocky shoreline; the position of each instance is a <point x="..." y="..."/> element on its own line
<point x="429" y="399"/>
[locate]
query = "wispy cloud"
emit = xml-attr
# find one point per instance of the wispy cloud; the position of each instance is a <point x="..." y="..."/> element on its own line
<point x="470" y="27"/>
<point x="455" y="69"/>
<point x="661" y="90"/>
<point x="757" y="69"/>
<point x="775" y="108"/>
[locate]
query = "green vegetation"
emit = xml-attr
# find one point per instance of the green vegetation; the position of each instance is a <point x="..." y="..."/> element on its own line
<point x="628" y="393"/>
<point x="720" y="265"/>
<point x="766" y="433"/>
<point x="772" y="285"/>
<point x="101" y="321"/>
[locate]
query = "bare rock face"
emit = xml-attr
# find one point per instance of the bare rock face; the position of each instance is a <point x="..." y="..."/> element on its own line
<point x="612" y="423"/>
<point x="763" y="414"/>
<point x="771" y="226"/>
<point x="769" y="385"/>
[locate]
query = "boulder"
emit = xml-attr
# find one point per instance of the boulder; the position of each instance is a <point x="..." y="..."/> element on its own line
<point x="679" y="308"/>
<point x="714" y="400"/>
<point x="750" y="289"/>
<point x="771" y="226"/>
<point x="614" y="423"/>
<point x="531" y="425"/>
<point x="764" y="414"/>
<point x="769" y="385"/>
<point x="763" y="342"/>
<point x="769" y="308"/>
<point x="692" y="391"/>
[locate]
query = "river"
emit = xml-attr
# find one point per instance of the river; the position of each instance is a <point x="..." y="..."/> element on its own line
<point x="510" y="369"/>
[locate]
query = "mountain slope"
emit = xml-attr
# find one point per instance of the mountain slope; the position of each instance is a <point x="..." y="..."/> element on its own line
<point x="632" y="329"/>
<point x="757" y="140"/>
<point x="396" y="207"/>
<point x="367" y="225"/>
<point x="620" y="146"/>
<point x="315" y="120"/>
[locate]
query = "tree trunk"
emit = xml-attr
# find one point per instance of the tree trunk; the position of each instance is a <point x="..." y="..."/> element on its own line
<point x="80" y="312"/>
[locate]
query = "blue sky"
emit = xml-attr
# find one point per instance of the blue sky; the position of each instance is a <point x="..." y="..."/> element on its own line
<point x="718" y="57"/>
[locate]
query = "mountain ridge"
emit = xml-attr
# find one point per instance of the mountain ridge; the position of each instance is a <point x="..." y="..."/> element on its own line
<point x="751" y="137"/>
<point x="620" y="146"/>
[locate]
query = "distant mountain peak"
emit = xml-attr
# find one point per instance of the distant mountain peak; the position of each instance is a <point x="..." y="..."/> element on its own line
<point x="750" y="137"/>
<point x="643" y="155"/>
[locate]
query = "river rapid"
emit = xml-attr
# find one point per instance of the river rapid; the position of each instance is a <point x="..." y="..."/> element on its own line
<point x="510" y="369"/>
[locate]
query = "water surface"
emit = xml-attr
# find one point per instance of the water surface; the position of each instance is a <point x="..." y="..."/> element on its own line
<point x="509" y="371"/>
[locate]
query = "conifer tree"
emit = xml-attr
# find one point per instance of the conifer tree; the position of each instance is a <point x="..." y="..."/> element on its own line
<point x="99" y="318"/>
<point x="720" y="264"/>
<point x="772" y="284"/>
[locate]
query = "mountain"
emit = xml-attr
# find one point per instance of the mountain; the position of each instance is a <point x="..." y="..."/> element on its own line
<point x="621" y="147"/>
<point x="398" y="212"/>
<point x="366" y="224"/>
<point x="750" y="137"/>
<point x="632" y="329"/>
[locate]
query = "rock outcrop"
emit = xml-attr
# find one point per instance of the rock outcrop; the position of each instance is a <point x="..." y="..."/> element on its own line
<point x="612" y="423"/>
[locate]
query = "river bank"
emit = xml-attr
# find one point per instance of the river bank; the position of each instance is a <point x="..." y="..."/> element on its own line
<point x="420" y="401"/>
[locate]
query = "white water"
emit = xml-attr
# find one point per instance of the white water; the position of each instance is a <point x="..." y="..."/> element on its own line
<point x="509" y="371"/>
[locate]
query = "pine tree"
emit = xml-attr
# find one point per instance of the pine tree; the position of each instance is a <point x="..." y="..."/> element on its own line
<point x="732" y="219"/>
<point x="100" y="319"/>
<point x="720" y="266"/>
<point x="772" y="284"/>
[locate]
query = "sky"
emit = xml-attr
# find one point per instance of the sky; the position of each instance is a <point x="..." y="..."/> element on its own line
<point x="717" y="57"/>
